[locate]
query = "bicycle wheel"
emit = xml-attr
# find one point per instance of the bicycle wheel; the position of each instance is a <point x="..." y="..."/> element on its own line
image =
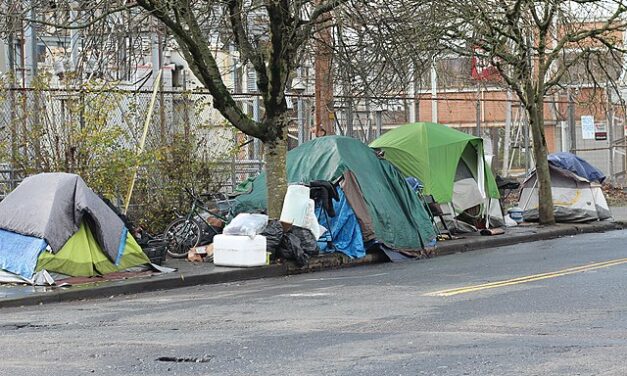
<point x="181" y="235"/>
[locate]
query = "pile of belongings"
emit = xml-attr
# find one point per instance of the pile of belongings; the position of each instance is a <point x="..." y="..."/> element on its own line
<point x="54" y="223"/>
<point x="348" y="199"/>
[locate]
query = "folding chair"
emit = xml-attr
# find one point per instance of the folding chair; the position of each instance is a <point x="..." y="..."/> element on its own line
<point x="435" y="210"/>
<point x="430" y="205"/>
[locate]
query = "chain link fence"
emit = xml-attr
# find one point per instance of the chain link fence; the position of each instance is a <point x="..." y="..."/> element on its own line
<point x="96" y="132"/>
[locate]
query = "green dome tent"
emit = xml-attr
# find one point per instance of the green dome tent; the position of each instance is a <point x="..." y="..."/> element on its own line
<point x="451" y="164"/>
<point x="386" y="208"/>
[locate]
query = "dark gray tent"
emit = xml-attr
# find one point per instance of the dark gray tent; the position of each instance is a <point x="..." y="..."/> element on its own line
<point x="52" y="206"/>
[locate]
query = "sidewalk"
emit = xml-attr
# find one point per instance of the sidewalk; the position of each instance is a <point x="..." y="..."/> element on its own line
<point x="619" y="213"/>
<point x="189" y="274"/>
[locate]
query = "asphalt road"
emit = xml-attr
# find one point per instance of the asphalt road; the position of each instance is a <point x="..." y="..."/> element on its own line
<point x="556" y="307"/>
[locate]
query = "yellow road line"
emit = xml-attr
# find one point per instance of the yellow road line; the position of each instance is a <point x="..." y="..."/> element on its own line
<point x="529" y="278"/>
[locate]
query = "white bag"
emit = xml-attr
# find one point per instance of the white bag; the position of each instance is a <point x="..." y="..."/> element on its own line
<point x="246" y="224"/>
<point x="311" y="222"/>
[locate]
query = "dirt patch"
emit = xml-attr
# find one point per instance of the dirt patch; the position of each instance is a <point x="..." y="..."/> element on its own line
<point x="616" y="195"/>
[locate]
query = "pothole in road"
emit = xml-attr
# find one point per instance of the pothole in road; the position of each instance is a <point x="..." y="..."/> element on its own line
<point x="190" y="359"/>
<point x="27" y="325"/>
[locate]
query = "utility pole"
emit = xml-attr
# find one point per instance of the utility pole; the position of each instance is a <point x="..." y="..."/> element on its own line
<point x="323" y="54"/>
<point x="157" y="64"/>
<point x="412" y="93"/>
<point x="31" y="61"/>
<point x="74" y="35"/>
<point x="12" y="103"/>
<point x="30" y="50"/>
<point x="434" y="92"/>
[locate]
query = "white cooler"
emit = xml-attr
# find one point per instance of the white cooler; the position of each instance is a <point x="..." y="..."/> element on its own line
<point x="239" y="250"/>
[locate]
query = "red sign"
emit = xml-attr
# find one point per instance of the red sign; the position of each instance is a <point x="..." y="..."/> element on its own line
<point x="482" y="68"/>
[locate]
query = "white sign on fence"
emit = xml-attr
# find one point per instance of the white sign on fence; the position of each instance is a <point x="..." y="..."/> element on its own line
<point x="587" y="127"/>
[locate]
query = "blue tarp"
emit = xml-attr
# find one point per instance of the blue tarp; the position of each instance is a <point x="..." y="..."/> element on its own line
<point x="344" y="228"/>
<point x="576" y="165"/>
<point x="19" y="253"/>
<point x="415" y="184"/>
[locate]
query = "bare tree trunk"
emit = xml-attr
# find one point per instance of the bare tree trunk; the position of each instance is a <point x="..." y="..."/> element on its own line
<point x="275" y="154"/>
<point x="545" y="197"/>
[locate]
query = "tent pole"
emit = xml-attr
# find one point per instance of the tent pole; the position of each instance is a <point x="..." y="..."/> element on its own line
<point x="487" y="213"/>
<point x="142" y="142"/>
<point x="594" y="202"/>
<point x="481" y="171"/>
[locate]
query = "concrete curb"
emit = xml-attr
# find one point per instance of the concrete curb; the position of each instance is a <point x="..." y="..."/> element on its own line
<point x="126" y="287"/>
<point x="326" y="262"/>
<point x="542" y="234"/>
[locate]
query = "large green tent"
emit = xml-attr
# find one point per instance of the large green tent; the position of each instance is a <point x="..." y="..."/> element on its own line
<point x="432" y="153"/>
<point x="397" y="216"/>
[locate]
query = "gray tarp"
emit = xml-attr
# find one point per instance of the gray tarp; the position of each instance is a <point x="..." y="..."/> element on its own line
<point x="53" y="205"/>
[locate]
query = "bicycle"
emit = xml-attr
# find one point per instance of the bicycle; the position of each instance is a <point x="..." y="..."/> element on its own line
<point x="194" y="228"/>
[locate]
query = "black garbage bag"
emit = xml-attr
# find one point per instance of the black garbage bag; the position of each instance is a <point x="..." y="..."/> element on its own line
<point x="307" y="241"/>
<point x="297" y="244"/>
<point x="274" y="234"/>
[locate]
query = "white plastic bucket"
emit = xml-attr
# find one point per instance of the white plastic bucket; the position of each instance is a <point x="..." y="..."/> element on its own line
<point x="295" y="205"/>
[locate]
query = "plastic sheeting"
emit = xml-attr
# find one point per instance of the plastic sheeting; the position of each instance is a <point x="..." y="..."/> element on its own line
<point x="576" y="165"/>
<point x="345" y="233"/>
<point x="19" y="253"/>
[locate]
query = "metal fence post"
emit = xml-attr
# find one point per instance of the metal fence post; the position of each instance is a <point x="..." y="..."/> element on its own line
<point x="301" y="123"/>
<point x="526" y="142"/>
<point x="507" y="137"/>
<point x="478" y="115"/>
<point x="256" y="142"/>
<point x="478" y="111"/>
<point x="378" y="119"/>
<point x="233" y="177"/>
<point x="349" y="118"/>
<point x="610" y="138"/>
<point x="571" y="123"/>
